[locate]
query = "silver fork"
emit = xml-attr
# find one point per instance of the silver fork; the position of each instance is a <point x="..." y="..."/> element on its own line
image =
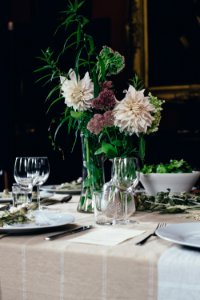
<point x="143" y="240"/>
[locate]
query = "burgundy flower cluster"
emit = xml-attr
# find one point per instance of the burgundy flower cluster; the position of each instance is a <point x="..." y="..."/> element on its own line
<point x="106" y="99"/>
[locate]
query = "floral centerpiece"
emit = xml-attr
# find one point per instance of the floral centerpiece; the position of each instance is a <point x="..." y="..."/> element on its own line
<point x="109" y="127"/>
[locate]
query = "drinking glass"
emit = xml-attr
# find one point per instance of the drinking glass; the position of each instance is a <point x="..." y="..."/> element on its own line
<point x="23" y="173"/>
<point x="20" y="195"/>
<point x="40" y="167"/>
<point x="115" y="204"/>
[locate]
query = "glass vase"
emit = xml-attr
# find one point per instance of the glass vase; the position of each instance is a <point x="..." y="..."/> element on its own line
<point x="92" y="174"/>
<point x="116" y="203"/>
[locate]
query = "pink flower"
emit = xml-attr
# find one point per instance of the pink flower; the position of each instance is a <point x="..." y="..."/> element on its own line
<point x="96" y="124"/>
<point x="108" y="118"/>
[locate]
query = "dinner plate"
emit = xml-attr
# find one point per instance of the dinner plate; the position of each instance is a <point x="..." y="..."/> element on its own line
<point x="185" y="234"/>
<point x="44" y="221"/>
<point x="58" y="190"/>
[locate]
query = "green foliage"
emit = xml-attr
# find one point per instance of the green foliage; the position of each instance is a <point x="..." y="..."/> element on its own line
<point x="74" y="25"/>
<point x="174" y="166"/>
<point x="167" y="203"/>
<point x="157" y="103"/>
<point x="109" y="63"/>
<point x="137" y="82"/>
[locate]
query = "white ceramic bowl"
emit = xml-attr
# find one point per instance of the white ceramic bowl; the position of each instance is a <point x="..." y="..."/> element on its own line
<point x="161" y="182"/>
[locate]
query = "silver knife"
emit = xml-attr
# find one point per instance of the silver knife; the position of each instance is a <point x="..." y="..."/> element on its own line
<point x="68" y="231"/>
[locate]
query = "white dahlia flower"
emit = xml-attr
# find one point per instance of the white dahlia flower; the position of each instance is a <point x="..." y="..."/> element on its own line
<point x="78" y="93"/>
<point x="133" y="113"/>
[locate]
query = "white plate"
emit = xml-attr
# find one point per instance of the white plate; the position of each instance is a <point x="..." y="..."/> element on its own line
<point x="186" y="234"/>
<point x="54" y="220"/>
<point x="55" y="189"/>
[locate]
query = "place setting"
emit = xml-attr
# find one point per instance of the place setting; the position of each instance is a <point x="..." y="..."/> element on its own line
<point x="26" y="211"/>
<point x="73" y="187"/>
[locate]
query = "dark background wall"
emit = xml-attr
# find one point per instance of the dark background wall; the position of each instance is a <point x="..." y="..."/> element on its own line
<point x="24" y="123"/>
<point x="26" y="27"/>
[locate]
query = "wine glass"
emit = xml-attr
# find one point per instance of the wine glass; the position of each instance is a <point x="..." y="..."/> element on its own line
<point x="41" y="170"/>
<point x="24" y="175"/>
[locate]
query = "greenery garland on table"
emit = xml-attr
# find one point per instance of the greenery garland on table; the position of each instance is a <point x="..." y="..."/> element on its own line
<point x="163" y="202"/>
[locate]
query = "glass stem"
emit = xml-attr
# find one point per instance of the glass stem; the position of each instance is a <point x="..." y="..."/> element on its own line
<point x="38" y="196"/>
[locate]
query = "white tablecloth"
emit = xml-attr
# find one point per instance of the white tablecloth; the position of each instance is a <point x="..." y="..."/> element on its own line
<point x="32" y="268"/>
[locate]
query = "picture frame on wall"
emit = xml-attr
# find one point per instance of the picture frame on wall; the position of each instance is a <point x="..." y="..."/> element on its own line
<point x="166" y="46"/>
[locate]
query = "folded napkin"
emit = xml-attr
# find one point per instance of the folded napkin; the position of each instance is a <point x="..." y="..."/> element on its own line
<point x="108" y="236"/>
<point x="55" y="199"/>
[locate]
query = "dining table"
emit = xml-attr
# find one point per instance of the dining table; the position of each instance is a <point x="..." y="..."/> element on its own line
<point x="104" y="263"/>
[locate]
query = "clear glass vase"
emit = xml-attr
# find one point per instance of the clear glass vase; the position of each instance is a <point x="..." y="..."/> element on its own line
<point x="92" y="174"/>
<point x="116" y="202"/>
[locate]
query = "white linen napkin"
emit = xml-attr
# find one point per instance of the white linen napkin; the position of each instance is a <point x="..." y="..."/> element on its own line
<point x="108" y="236"/>
<point x="178" y="274"/>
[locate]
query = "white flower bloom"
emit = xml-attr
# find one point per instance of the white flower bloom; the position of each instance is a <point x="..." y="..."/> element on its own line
<point x="78" y="93"/>
<point x="133" y="113"/>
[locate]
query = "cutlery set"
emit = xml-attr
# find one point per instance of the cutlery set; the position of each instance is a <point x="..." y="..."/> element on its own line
<point x="70" y="231"/>
<point x="56" y="235"/>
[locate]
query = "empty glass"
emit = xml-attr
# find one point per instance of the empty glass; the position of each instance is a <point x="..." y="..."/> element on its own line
<point x="40" y="167"/>
<point x="20" y="195"/>
<point x="23" y="173"/>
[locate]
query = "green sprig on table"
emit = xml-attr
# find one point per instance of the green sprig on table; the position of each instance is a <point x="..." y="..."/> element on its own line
<point x="163" y="202"/>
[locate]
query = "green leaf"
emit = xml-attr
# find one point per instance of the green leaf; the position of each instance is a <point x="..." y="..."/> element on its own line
<point x="161" y="168"/>
<point x="117" y="143"/>
<point x="77" y="61"/>
<point x="80" y="4"/>
<point x="42" y="78"/>
<point x="142" y="146"/>
<point x="54" y="102"/>
<point x="137" y="83"/>
<point x="56" y="88"/>
<point x="91" y="44"/>
<point x="107" y="149"/>
<point x="68" y="39"/>
<point x="102" y="69"/>
<point x="59" y="126"/>
<point x="76" y="114"/>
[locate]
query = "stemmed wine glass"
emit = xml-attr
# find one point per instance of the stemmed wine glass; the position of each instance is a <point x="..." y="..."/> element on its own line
<point x="40" y="167"/>
<point x="23" y="174"/>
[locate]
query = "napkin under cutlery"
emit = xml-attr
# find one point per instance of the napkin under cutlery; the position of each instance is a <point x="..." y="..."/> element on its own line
<point x="55" y="198"/>
<point x="109" y="236"/>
